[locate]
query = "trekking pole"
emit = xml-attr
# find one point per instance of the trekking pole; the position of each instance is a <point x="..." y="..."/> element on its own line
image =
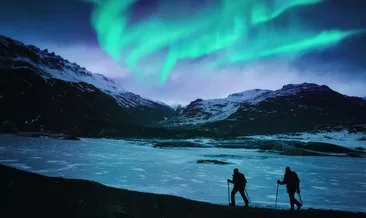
<point x="228" y="193"/>
<point x="247" y="195"/>
<point x="300" y="198"/>
<point x="276" y="196"/>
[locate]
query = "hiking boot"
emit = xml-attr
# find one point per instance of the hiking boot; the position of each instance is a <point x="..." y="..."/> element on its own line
<point x="231" y="204"/>
<point x="299" y="206"/>
<point x="292" y="209"/>
<point x="246" y="205"/>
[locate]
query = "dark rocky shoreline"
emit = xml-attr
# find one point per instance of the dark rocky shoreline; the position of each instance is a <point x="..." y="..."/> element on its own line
<point x="25" y="194"/>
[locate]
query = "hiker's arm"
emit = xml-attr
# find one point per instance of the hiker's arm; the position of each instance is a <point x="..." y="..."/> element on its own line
<point x="284" y="181"/>
<point x="281" y="182"/>
<point x="229" y="180"/>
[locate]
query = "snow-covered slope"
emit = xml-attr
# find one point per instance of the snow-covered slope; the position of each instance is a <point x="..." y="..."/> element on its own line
<point x="206" y="111"/>
<point x="41" y="91"/>
<point x="211" y="110"/>
<point x="16" y="54"/>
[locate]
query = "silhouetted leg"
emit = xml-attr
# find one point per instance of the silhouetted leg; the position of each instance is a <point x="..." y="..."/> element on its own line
<point x="242" y="193"/>
<point x="292" y="199"/>
<point x="298" y="204"/>
<point x="233" y="192"/>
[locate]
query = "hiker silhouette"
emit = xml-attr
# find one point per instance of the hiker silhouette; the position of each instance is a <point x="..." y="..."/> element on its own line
<point x="292" y="182"/>
<point x="239" y="182"/>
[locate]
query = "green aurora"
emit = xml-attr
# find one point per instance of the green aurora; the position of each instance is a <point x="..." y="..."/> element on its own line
<point x="225" y="29"/>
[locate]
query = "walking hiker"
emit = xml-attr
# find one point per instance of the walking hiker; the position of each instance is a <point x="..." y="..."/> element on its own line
<point x="239" y="182"/>
<point x="292" y="182"/>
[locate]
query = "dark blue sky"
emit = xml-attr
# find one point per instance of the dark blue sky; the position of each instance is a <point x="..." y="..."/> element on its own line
<point x="64" y="26"/>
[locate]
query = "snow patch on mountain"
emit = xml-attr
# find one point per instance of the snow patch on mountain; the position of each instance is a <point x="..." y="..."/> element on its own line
<point x="219" y="109"/>
<point x="53" y="66"/>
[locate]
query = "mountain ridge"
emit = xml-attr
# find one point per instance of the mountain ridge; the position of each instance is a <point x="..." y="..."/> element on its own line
<point x="54" y="66"/>
<point x="210" y="107"/>
<point x="293" y="108"/>
<point x="41" y="91"/>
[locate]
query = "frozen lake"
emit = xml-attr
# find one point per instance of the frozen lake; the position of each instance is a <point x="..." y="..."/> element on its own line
<point x="326" y="182"/>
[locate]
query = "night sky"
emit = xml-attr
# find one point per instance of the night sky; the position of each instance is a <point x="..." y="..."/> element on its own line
<point x="177" y="51"/>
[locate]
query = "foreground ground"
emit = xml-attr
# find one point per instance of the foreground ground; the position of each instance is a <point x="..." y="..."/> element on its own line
<point x="24" y="194"/>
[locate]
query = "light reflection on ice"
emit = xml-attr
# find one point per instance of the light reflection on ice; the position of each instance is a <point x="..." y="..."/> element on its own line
<point x="4" y="161"/>
<point x="326" y="182"/>
<point x="319" y="187"/>
<point x="21" y="166"/>
<point x="196" y="180"/>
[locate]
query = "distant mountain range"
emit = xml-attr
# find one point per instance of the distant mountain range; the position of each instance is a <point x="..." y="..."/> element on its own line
<point x="41" y="91"/>
<point x="292" y="108"/>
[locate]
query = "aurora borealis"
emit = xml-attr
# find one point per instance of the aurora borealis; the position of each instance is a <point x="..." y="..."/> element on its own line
<point x="177" y="51"/>
<point x="241" y="30"/>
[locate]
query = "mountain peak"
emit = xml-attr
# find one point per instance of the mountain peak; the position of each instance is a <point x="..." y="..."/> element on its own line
<point x="293" y="89"/>
<point x="305" y="86"/>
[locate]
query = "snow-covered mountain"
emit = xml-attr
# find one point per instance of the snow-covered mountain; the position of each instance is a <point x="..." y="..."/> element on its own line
<point x="202" y="111"/>
<point x="41" y="91"/>
<point x="17" y="55"/>
<point x="205" y="111"/>
<point x="293" y="107"/>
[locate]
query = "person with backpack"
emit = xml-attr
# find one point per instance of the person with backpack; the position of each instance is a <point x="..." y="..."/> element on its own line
<point x="239" y="182"/>
<point x="292" y="182"/>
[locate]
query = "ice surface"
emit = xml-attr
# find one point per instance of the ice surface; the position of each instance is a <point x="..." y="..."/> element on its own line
<point x="326" y="182"/>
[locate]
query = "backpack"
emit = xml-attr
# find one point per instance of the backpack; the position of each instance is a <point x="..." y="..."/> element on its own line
<point x="242" y="178"/>
<point x="295" y="178"/>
